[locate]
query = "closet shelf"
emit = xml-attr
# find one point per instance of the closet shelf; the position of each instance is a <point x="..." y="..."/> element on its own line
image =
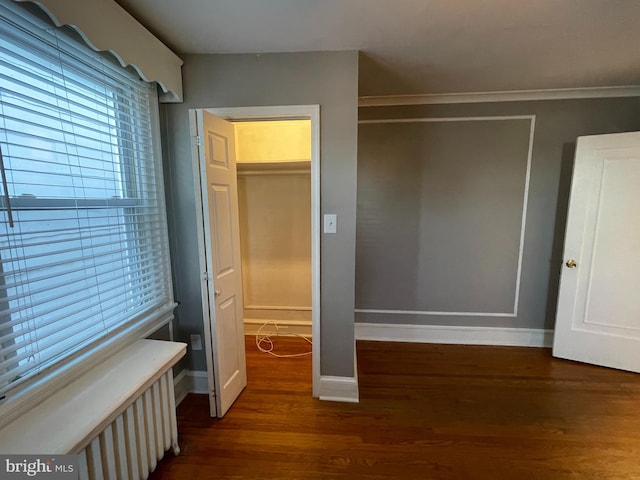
<point x="261" y="168"/>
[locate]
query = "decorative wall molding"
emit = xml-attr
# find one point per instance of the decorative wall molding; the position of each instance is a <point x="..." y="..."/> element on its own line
<point x="520" y="337"/>
<point x="504" y="96"/>
<point x="339" y="389"/>
<point x="431" y="312"/>
<point x="523" y="224"/>
<point x="106" y="26"/>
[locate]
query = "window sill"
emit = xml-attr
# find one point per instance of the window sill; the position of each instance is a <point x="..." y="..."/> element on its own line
<point x="70" y="418"/>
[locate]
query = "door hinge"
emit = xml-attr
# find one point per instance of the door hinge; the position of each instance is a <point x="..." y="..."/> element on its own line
<point x="206" y="277"/>
<point x="196" y="140"/>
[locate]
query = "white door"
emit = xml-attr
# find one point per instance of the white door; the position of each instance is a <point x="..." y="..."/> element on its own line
<point x="222" y="250"/>
<point x="598" y="319"/>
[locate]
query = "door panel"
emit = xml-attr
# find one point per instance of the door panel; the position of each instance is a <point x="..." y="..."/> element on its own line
<point x="598" y="318"/>
<point x="220" y="202"/>
<point x="228" y="324"/>
<point x="616" y="260"/>
<point x="218" y="149"/>
<point x="222" y="249"/>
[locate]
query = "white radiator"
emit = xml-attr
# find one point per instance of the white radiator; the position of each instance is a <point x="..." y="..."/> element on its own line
<point x="130" y="447"/>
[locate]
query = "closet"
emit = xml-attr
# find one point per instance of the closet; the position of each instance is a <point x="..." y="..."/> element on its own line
<point x="274" y="196"/>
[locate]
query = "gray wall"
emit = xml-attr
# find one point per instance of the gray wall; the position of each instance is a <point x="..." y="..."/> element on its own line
<point x="440" y="208"/>
<point x="329" y="79"/>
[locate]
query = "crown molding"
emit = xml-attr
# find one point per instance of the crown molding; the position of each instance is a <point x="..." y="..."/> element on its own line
<point x="506" y="96"/>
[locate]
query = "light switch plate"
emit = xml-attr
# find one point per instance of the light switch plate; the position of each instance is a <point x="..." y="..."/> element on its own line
<point x="330" y="223"/>
<point x="196" y="342"/>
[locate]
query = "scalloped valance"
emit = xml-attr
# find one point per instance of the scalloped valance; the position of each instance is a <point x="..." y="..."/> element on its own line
<point x="106" y="26"/>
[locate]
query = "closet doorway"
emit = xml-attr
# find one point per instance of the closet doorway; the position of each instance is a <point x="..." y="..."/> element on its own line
<point x="274" y="201"/>
<point x="257" y="176"/>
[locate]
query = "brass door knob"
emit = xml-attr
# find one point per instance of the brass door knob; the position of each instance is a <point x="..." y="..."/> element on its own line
<point x="571" y="264"/>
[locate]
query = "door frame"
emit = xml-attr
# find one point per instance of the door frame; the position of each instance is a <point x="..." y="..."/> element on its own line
<point x="311" y="112"/>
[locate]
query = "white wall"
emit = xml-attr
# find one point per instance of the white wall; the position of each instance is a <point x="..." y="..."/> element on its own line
<point x="275" y="237"/>
<point x="273" y="141"/>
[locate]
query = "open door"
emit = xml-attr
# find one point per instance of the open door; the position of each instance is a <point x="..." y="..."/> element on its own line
<point x="223" y="278"/>
<point x="598" y="319"/>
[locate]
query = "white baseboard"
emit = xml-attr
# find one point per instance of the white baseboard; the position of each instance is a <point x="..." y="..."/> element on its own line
<point x="199" y="381"/>
<point x="190" y="381"/>
<point x="339" y="389"/>
<point x="519" y="337"/>
<point x="285" y="327"/>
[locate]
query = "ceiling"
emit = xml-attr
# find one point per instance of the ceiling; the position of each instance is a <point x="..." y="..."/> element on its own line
<point x="421" y="46"/>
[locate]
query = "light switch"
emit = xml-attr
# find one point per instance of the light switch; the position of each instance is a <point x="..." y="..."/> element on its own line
<point x="330" y="223"/>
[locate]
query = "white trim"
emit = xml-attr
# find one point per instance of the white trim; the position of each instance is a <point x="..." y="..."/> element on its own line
<point x="285" y="327"/>
<point x="523" y="223"/>
<point x="311" y="112"/>
<point x="525" y="204"/>
<point x="429" y="312"/>
<point x="199" y="383"/>
<point x="269" y="113"/>
<point x="355" y="368"/>
<point x="315" y="248"/>
<point x="202" y="257"/>
<point x="520" y="337"/>
<point x="106" y="26"/>
<point x="503" y="96"/>
<point x="190" y="381"/>
<point x="339" y="389"/>
<point x="450" y="119"/>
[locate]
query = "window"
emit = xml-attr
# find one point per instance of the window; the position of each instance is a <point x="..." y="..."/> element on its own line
<point x="83" y="239"/>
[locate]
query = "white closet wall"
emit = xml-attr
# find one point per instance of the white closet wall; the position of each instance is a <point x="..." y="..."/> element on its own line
<point x="275" y="222"/>
<point x="273" y="141"/>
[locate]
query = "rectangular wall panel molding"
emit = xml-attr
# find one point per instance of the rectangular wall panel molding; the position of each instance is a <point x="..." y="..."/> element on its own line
<point x="442" y="206"/>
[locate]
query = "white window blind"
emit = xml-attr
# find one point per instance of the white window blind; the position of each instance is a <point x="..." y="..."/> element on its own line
<point x="83" y="239"/>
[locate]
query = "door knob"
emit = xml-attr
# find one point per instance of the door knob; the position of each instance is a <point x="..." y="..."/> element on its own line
<point x="571" y="264"/>
<point x="217" y="293"/>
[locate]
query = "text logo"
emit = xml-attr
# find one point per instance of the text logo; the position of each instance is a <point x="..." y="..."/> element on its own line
<point x="51" y="467"/>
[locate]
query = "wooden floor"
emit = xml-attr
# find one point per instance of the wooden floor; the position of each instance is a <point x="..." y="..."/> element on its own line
<point x="425" y="412"/>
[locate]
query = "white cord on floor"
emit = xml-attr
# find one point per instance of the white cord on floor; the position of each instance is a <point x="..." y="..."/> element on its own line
<point x="262" y="339"/>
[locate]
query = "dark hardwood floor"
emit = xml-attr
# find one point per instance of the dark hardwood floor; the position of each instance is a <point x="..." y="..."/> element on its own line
<point x="425" y="412"/>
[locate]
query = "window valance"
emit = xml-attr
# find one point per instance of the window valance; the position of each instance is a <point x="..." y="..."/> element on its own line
<point x="106" y="26"/>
